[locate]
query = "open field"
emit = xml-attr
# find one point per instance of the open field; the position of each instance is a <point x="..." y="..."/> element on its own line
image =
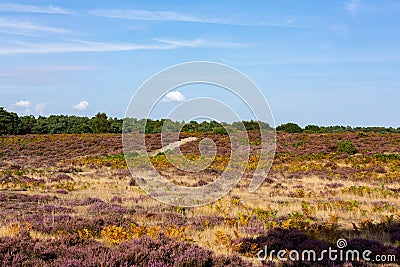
<point x="69" y="200"/>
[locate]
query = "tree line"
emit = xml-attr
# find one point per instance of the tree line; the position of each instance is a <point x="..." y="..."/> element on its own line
<point x="294" y="128"/>
<point x="11" y="123"/>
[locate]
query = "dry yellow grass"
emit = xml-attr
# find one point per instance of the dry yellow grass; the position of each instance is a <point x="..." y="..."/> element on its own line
<point x="284" y="195"/>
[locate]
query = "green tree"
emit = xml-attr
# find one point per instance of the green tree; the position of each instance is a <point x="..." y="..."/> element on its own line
<point x="204" y="127"/>
<point x="191" y="127"/>
<point x="251" y="125"/>
<point x="151" y="126"/>
<point x="40" y="126"/>
<point x="79" y="125"/>
<point x="312" y="129"/>
<point x="100" y="123"/>
<point x="115" y="125"/>
<point x="27" y="124"/>
<point x="130" y="125"/>
<point x="57" y="124"/>
<point x="220" y="130"/>
<point x="10" y="123"/>
<point x="170" y="126"/>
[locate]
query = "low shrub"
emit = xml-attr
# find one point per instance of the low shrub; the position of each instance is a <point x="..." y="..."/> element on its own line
<point x="346" y="146"/>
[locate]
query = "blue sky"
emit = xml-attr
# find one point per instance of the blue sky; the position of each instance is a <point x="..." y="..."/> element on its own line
<point x="317" y="62"/>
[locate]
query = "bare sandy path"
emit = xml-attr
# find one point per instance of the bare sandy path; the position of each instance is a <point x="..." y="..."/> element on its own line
<point x="172" y="146"/>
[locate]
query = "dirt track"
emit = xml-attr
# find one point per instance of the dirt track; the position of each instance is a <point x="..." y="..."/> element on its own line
<point x="173" y="145"/>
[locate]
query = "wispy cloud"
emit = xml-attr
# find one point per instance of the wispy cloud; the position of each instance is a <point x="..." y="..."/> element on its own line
<point x="20" y="8"/>
<point x="87" y="46"/>
<point x="17" y="32"/>
<point x="78" y="46"/>
<point x="22" y="27"/>
<point x="137" y="14"/>
<point x="55" y="68"/>
<point x="39" y="108"/>
<point x="35" y="70"/>
<point x="41" y="74"/>
<point x="198" y="42"/>
<point x="352" y="6"/>
<point x="150" y="15"/>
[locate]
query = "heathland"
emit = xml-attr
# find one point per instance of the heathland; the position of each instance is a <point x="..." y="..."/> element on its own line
<point x="70" y="200"/>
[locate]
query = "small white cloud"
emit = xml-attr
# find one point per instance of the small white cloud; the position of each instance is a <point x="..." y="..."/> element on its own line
<point x="83" y="105"/>
<point x="174" y="96"/>
<point x="352" y="6"/>
<point x="22" y="104"/>
<point x="39" y="108"/>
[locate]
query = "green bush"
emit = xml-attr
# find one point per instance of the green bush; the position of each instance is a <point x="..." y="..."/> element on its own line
<point x="346" y="147"/>
<point x="220" y="130"/>
<point x="312" y="129"/>
<point x="289" y="128"/>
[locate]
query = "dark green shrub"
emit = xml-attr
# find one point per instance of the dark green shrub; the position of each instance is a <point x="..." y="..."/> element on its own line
<point x="312" y="129"/>
<point x="220" y="130"/>
<point x="289" y="128"/>
<point x="346" y="147"/>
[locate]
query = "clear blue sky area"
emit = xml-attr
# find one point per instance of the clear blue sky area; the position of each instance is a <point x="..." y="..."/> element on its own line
<point x="317" y="62"/>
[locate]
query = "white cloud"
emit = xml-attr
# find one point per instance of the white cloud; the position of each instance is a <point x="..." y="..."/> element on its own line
<point x="19" y="8"/>
<point x="18" y="32"/>
<point x="352" y="6"/>
<point x="22" y="26"/>
<point x="35" y="71"/>
<point x="174" y="96"/>
<point x="88" y="46"/>
<point x="198" y="42"/>
<point x="153" y="15"/>
<point x="136" y="14"/>
<point x="195" y="43"/>
<point x="22" y="104"/>
<point x="55" y="68"/>
<point x="77" y="46"/>
<point x="39" y="108"/>
<point x="83" y="105"/>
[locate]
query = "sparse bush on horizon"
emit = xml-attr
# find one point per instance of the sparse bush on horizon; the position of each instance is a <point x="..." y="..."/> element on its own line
<point x="289" y="127"/>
